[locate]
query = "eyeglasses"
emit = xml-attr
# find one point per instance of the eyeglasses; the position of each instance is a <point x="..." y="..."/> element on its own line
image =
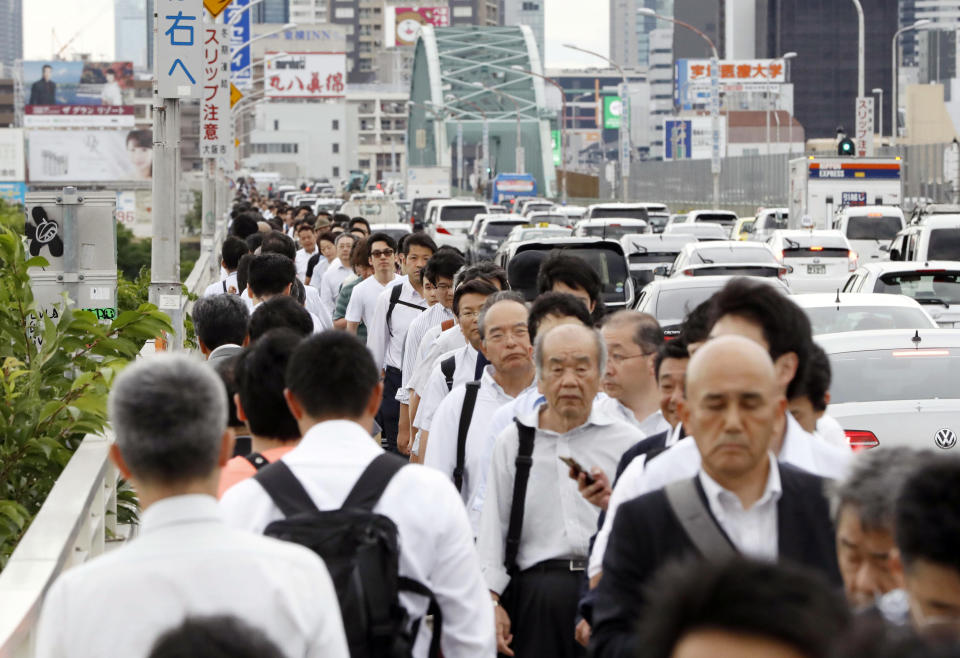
<point x="620" y="358"/>
<point x="386" y="253"/>
<point x="469" y="315"/>
<point x="445" y="287"/>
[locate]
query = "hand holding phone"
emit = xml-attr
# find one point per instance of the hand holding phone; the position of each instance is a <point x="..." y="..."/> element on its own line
<point x="577" y="469"/>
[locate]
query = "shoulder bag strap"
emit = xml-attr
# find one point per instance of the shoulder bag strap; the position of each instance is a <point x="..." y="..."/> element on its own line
<point x="374" y="479"/>
<point x="411" y="585"/>
<point x="515" y="526"/>
<point x="257" y="460"/>
<point x="285" y="489"/>
<point x="697" y="522"/>
<point x="394" y="298"/>
<point x="449" y="367"/>
<point x="466" y="415"/>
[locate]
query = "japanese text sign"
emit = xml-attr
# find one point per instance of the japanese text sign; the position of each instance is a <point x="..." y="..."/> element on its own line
<point x="863" y="137"/>
<point x="215" y="99"/>
<point x="751" y="70"/>
<point x="179" y="48"/>
<point x="241" y="70"/>
<point x="306" y="75"/>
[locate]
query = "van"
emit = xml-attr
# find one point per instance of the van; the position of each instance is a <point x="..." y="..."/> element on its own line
<point x="447" y="221"/>
<point x="937" y="238"/>
<point x="869" y="229"/>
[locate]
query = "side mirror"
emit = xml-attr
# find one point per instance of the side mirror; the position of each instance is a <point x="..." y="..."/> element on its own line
<point x="894" y="254"/>
<point x="884" y="247"/>
<point x="661" y="270"/>
<point x="748" y="228"/>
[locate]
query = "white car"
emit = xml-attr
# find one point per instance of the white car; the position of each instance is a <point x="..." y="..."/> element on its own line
<point x="817" y="261"/>
<point x="730" y="258"/>
<point x="725" y="218"/>
<point x="833" y="313"/>
<point x="870" y="229"/>
<point x="702" y="232"/>
<point x="933" y="284"/>
<point x="648" y="251"/>
<point x="670" y="300"/>
<point x="767" y="221"/>
<point x="896" y="387"/>
<point x="447" y="221"/>
<point x="609" y="227"/>
<point x="937" y="237"/>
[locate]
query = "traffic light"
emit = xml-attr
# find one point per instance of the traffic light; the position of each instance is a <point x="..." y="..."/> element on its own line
<point x="846" y="147"/>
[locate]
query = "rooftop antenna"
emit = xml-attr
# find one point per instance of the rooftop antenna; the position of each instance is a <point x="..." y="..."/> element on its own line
<point x="837" y="301"/>
<point x="916" y="339"/>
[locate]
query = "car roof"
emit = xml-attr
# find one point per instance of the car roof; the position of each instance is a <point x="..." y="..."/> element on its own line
<point x="940" y="221"/>
<point x="561" y="241"/>
<point x="910" y="266"/>
<point x="628" y="205"/>
<point x="502" y="218"/>
<point x="860" y="211"/>
<point x="824" y="299"/>
<point x="694" y="213"/>
<point x="888" y="339"/>
<point x="731" y="244"/>
<point x="600" y="221"/>
<point x="717" y="280"/>
<point x="669" y="239"/>
<point x="707" y="228"/>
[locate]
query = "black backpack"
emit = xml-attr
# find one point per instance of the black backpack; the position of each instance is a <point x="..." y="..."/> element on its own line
<point x="361" y="551"/>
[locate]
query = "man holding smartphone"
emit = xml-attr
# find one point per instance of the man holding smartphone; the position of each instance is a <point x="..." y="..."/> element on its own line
<point x="535" y="526"/>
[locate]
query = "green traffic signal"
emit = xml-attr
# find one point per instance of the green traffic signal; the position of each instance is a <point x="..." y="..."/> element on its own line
<point x="846" y="147"/>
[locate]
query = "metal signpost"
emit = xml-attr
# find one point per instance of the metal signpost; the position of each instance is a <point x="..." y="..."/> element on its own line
<point x="178" y="62"/>
<point x="214" y="121"/>
<point x="863" y="135"/>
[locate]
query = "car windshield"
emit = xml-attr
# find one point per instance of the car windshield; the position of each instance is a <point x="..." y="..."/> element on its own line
<point x="927" y="287"/>
<point x="873" y="228"/>
<point x="619" y="213"/>
<point x="903" y="374"/>
<point x="499" y="229"/>
<point x="944" y="244"/>
<point x="610" y="265"/>
<point x="833" y="320"/>
<point x="676" y="304"/>
<point x="775" y="221"/>
<point x="658" y="220"/>
<point x="717" y="218"/>
<point x="711" y="255"/>
<point x="460" y="213"/>
<point x="643" y="256"/>
<point x="612" y="231"/>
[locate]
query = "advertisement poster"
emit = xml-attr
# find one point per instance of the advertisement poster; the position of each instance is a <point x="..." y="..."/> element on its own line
<point x="612" y="111"/>
<point x="402" y="24"/>
<point x="89" y="155"/>
<point x="11" y="154"/>
<point x="77" y="83"/>
<point x="306" y="75"/>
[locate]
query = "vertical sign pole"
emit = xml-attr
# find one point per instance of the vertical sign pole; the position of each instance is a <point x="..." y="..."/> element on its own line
<point x="625" y="142"/>
<point x="165" y="248"/>
<point x="715" y="126"/>
<point x="460" y="156"/>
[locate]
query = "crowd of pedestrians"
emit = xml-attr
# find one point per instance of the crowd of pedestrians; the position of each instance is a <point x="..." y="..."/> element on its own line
<point x="390" y="453"/>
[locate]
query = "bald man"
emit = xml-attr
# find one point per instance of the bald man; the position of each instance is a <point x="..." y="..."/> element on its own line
<point x="744" y="500"/>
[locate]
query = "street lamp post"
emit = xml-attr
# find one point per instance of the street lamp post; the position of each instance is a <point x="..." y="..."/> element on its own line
<point x="895" y="98"/>
<point x="235" y="16"/>
<point x="624" y="130"/>
<point x="861" y="91"/>
<point x="786" y="60"/>
<point x="876" y="91"/>
<point x="715" y="162"/>
<point x="563" y="129"/>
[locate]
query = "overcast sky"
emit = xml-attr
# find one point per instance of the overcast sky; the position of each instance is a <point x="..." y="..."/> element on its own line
<point x="49" y="24"/>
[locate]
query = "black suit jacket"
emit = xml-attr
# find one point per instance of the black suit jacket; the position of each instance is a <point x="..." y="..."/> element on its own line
<point x="652" y="444"/>
<point x="646" y="534"/>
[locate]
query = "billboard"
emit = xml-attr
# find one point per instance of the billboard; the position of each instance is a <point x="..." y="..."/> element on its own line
<point x="79" y="116"/>
<point x="315" y="37"/>
<point x="89" y="155"/>
<point x="401" y="25"/>
<point x="77" y="83"/>
<point x="306" y="75"/>
<point x="691" y="138"/>
<point x="11" y="154"/>
<point x="13" y="192"/>
<point x="612" y="111"/>
<point x="692" y="78"/>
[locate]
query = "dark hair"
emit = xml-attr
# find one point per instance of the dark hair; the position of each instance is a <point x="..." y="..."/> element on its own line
<point x="696" y="326"/>
<point x="341" y="388"/>
<point x="220" y="320"/>
<point x="45" y="67"/>
<point x="276" y="242"/>
<point x="382" y="237"/>
<point x="305" y="224"/>
<point x="670" y="349"/>
<point x="340" y="218"/>
<point x="232" y="251"/>
<point x="328" y="236"/>
<point x="254" y="240"/>
<point x="782" y="602"/>
<point x="560" y="304"/>
<point x="442" y="263"/>
<point x="243" y="225"/>
<point x="270" y="274"/>
<point x="418" y="240"/>
<point x="475" y="287"/>
<point x="214" y="637"/>
<point x="816" y="379"/>
<point x="243" y="271"/>
<point x="359" y="220"/>
<point x="360" y="255"/>
<point x="486" y="270"/>
<point x="572" y="271"/>
<point x="298" y="292"/>
<point x="647" y="334"/>
<point x="785" y="326"/>
<point x="278" y="312"/>
<point x="227" y="370"/>
<point x="927" y="524"/>
<point x="260" y="372"/>
<point x="141" y="138"/>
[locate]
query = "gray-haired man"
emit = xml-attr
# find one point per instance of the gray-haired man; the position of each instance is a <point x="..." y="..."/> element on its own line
<point x="169" y="415"/>
<point x="543" y="563"/>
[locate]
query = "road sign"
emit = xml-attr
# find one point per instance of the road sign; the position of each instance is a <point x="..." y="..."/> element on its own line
<point x="863" y="136"/>
<point x="235" y="95"/>
<point x="612" y="111"/>
<point x="216" y="6"/>
<point x="215" y="100"/>
<point x="179" y="48"/>
<point x="241" y="71"/>
<point x="677" y="139"/>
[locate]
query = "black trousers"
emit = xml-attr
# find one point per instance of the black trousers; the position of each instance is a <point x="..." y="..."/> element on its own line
<point x="388" y="417"/>
<point x="542" y="604"/>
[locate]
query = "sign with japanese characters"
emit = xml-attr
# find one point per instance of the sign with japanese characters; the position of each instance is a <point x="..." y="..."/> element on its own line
<point x="11" y="154"/>
<point x="306" y="75"/>
<point x="179" y="64"/>
<point x="79" y="116"/>
<point x="215" y="97"/>
<point x="692" y="139"/>
<point x="402" y="24"/>
<point x="612" y="112"/>
<point x="241" y="72"/>
<point x="68" y="156"/>
<point x="692" y="79"/>
<point x="863" y="135"/>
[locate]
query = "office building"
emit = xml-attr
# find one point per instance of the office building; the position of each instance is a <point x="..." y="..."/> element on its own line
<point x="271" y="11"/>
<point x="526" y="12"/>
<point x="300" y="140"/>
<point x="11" y="33"/>
<point x="378" y="121"/>
<point x="945" y="14"/>
<point x="630" y="40"/>
<point x="304" y="11"/>
<point x="475" y="12"/>
<point x="130" y="32"/>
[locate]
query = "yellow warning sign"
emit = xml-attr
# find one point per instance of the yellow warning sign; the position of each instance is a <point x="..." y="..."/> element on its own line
<point x="216" y="6"/>
<point x="235" y="95"/>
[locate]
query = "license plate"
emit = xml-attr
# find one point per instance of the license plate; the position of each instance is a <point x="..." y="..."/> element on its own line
<point x="816" y="269"/>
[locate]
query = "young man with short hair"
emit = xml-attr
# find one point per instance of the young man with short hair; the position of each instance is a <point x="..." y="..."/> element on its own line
<point x="220" y="322"/>
<point x="307" y="237"/>
<point x="338" y="270"/>
<point x="383" y="258"/>
<point x="231" y="252"/>
<point x="566" y="273"/>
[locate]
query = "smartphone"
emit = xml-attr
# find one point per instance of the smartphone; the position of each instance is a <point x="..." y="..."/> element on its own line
<point x="577" y="468"/>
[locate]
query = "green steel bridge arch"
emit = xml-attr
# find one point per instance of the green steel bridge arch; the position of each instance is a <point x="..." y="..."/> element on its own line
<point x="462" y="75"/>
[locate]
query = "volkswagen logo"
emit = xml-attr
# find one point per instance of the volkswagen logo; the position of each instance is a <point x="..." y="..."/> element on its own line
<point x="945" y="439"/>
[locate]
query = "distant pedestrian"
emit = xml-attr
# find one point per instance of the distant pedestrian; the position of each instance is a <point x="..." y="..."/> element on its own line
<point x="220" y="322"/>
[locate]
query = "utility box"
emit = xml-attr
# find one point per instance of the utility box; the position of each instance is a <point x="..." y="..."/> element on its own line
<point x="821" y="187"/>
<point x="76" y="233"/>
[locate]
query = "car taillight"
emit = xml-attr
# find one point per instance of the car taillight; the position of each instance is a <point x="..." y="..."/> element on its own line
<point x="781" y="272"/>
<point x="688" y="272"/>
<point x="851" y="261"/>
<point x="441" y="229"/>
<point x="861" y="439"/>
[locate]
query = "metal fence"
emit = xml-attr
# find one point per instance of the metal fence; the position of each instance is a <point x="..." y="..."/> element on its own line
<point x="930" y="175"/>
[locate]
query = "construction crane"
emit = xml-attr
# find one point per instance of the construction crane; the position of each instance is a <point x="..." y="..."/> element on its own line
<point x="58" y="54"/>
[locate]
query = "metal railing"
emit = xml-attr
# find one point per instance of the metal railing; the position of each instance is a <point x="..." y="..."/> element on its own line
<point x="73" y="524"/>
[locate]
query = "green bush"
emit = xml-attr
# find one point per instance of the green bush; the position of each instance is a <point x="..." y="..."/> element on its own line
<point x="54" y="394"/>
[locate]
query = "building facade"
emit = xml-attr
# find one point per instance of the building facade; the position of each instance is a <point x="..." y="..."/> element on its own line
<point x="301" y="141"/>
<point x="11" y="34"/>
<point x="272" y="11"/>
<point x="378" y="120"/>
<point x="526" y="12"/>
<point x="130" y="32"/>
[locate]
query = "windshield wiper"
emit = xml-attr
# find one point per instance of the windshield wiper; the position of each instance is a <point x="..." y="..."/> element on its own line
<point x="791" y="244"/>
<point x="708" y="261"/>
<point x="932" y="300"/>
<point x="640" y="250"/>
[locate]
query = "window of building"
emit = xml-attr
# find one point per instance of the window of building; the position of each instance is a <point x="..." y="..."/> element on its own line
<point x="336" y="172"/>
<point x="336" y="147"/>
<point x="276" y="124"/>
<point x="336" y="124"/>
<point x="463" y="12"/>
<point x="343" y="12"/>
<point x="364" y="164"/>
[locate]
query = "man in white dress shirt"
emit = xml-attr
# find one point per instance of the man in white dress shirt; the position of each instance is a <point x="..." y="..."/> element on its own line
<point x="363" y="301"/>
<point x="169" y="414"/>
<point x="338" y="270"/>
<point x="335" y="406"/>
<point x="307" y="236"/>
<point x="506" y="342"/>
<point x="231" y="252"/>
<point x="273" y="274"/>
<point x="543" y="564"/>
